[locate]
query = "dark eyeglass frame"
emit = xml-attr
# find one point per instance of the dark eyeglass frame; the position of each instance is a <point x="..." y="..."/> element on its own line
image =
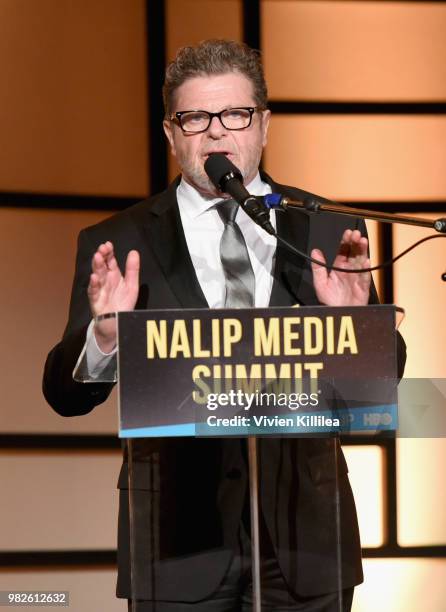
<point x="176" y="118"/>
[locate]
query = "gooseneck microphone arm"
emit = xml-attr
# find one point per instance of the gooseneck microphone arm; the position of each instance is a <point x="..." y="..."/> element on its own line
<point x="277" y="201"/>
<point x="227" y="178"/>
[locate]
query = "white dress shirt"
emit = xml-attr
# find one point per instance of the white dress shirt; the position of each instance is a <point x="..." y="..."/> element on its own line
<point x="203" y="230"/>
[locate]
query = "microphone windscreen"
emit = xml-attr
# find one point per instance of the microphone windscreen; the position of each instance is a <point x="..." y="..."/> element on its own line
<point x="217" y="167"/>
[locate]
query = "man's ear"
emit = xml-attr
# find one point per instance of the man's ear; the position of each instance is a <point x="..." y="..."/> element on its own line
<point x="266" y="116"/>
<point x="167" y="126"/>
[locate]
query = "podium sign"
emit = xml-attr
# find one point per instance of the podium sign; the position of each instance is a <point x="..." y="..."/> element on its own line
<point x="271" y="371"/>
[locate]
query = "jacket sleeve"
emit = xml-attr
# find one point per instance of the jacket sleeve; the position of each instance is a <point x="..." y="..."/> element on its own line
<point x="66" y="396"/>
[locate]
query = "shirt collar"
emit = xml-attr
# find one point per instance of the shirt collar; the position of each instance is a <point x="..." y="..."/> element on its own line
<point x="193" y="204"/>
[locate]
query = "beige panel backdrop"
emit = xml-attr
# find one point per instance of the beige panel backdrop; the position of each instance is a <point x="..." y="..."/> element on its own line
<point x="401" y="585"/>
<point x="354" y="50"/>
<point x="375" y="252"/>
<point x="421" y="487"/>
<point x="59" y="500"/>
<point x="421" y="292"/>
<point x="37" y="253"/>
<point x="189" y="21"/>
<point x="421" y="484"/>
<point x="360" y="157"/>
<point x="73" y="96"/>
<point x="366" y="475"/>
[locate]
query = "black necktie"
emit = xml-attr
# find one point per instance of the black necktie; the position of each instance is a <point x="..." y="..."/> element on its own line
<point x="239" y="275"/>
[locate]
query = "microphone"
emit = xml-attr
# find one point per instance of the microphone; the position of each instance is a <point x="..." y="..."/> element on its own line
<point x="227" y="178"/>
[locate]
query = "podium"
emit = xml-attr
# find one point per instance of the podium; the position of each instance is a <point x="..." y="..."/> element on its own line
<point x="235" y="473"/>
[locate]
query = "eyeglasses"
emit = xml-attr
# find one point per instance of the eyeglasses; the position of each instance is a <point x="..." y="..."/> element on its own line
<point x="196" y="121"/>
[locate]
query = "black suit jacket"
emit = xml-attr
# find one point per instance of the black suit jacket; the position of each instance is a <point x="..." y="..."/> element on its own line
<point x="189" y="494"/>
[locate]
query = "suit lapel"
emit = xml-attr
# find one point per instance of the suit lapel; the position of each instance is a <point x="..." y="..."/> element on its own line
<point x="166" y="239"/>
<point x="293" y="226"/>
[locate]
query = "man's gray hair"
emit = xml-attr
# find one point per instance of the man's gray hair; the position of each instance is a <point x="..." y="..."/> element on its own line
<point x="212" y="57"/>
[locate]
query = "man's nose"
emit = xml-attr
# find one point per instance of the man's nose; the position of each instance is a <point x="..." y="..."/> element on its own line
<point x="216" y="129"/>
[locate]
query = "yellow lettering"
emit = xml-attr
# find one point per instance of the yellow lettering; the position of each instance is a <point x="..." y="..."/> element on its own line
<point x="278" y="383"/>
<point x="180" y="341"/>
<point x="156" y="339"/>
<point x="199" y="351"/>
<point x="232" y="333"/>
<point x="215" y="337"/>
<point x="330" y="335"/>
<point x="228" y="377"/>
<point x="313" y="336"/>
<point x="266" y="342"/>
<point x="248" y="384"/>
<point x="298" y="378"/>
<point x="217" y="379"/>
<point x="313" y="368"/>
<point x="347" y="337"/>
<point x="197" y="373"/>
<point x="289" y="335"/>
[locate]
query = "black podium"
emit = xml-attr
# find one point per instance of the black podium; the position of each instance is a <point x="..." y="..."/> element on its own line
<point x="232" y="421"/>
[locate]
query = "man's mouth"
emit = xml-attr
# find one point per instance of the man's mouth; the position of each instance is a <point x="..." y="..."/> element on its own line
<point x="209" y="153"/>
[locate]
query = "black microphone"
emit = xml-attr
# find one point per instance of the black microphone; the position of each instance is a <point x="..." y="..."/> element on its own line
<point x="227" y="178"/>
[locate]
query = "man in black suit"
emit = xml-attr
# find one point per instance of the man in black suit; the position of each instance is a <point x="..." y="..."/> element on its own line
<point x="164" y="253"/>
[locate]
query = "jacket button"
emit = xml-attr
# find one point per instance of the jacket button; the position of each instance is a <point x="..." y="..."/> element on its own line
<point x="233" y="474"/>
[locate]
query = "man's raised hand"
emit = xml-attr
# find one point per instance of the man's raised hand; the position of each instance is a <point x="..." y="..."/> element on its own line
<point x="335" y="288"/>
<point x="110" y="291"/>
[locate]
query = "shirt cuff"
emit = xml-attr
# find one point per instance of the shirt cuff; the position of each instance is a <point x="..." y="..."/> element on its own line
<point x="93" y="364"/>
